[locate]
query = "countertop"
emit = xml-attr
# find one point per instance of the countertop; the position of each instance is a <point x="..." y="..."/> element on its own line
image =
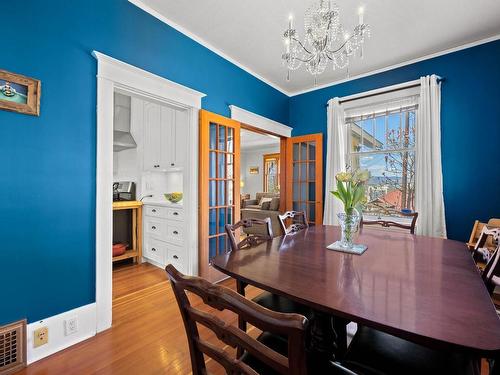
<point x="124" y="205"/>
<point x="164" y="203"/>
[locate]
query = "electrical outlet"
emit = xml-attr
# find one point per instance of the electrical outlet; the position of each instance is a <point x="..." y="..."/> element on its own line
<point x="41" y="336"/>
<point x="70" y="326"/>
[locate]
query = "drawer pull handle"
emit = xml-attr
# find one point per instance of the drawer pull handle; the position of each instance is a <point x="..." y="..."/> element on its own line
<point x="153" y="210"/>
<point x="153" y="249"/>
<point x="176" y="213"/>
<point x="153" y="227"/>
<point x="172" y="164"/>
<point x="175" y="232"/>
<point x="175" y="257"/>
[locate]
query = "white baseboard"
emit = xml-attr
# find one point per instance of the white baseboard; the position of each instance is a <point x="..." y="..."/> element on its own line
<point x="86" y="317"/>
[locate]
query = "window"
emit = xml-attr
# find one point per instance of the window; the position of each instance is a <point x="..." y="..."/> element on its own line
<point x="383" y="142"/>
<point x="271" y="173"/>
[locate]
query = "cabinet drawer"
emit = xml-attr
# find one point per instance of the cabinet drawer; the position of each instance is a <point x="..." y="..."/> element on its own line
<point x="156" y="211"/>
<point x="175" y="233"/>
<point x="156" y="251"/>
<point x="175" y="214"/>
<point x="177" y="257"/>
<point x="155" y="227"/>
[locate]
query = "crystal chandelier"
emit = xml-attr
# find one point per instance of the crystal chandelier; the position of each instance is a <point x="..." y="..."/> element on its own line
<point x="325" y="40"/>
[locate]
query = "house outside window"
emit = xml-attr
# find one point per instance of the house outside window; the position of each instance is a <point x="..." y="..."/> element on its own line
<point x="381" y="139"/>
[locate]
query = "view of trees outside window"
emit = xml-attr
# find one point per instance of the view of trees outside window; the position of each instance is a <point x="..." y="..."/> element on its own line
<point x="385" y="146"/>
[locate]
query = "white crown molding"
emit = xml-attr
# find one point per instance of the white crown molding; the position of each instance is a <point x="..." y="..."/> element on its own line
<point x="130" y="76"/>
<point x="140" y="4"/>
<point x="409" y="62"/>
<point x="258" y="121"/>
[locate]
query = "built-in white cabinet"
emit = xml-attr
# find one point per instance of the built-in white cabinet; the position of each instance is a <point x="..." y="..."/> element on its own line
<point x="165" y="137"/>
<point x="164" y="236"/>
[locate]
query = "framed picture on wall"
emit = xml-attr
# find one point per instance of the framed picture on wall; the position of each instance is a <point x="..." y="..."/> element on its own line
<point x="254" y="170"/>
<point x="19" y="93"/>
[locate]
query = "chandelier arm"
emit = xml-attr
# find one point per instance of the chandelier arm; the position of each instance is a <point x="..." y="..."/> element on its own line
<point x="300" y="44"/>
<point x="342" y="46"/>
<point x="304" y="61"/>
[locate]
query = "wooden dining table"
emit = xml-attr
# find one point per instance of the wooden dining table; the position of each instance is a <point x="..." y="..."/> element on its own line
<point x="426" y="290"/>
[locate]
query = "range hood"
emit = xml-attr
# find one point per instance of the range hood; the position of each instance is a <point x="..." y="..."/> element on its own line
<point x="122" y="138"/>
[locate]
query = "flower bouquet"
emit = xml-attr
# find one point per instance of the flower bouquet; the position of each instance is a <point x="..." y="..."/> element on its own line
<point x="351" y="192"/>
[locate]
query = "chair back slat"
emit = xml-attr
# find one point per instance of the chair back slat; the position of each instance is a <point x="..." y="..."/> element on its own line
<point x="299" y="221"/>
<point x="231" y="365"/>
<point x="250" y="240"/>
<point x="389" y="223"/>
<point x="290" y="325"/>
<point x="237" y="337"/>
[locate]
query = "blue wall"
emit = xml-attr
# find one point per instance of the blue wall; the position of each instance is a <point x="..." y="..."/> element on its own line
<point x="48" y="180"/>
<point x="470" y="127"/>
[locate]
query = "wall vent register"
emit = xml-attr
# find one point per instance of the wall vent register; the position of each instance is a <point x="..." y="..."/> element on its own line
<point x="12" y="347"/>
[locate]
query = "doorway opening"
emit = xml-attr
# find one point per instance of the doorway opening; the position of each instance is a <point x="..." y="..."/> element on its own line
<point x="246" y="172"/>
<point x="116" y="77"/>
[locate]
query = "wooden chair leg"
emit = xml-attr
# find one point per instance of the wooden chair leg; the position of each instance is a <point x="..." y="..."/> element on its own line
<point x="242" y="324"/>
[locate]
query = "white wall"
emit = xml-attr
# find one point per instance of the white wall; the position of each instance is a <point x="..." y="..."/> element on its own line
<point x="251" y="158"/>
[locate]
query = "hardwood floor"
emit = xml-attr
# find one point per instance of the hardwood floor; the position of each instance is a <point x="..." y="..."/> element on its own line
<point x="147" y="336"/>
<point x="130" y="277"/>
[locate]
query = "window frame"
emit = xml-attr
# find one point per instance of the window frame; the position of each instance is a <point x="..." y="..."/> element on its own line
<point x="354" y="118"/>
<point x="265" y="158"/>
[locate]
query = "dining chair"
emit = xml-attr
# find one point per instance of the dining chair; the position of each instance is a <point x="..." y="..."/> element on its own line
<point x="478" y="228"/>
<point x="249" y="240"/>
<point x="482" y="252"/>
<point x="372" y="352"/>
<point x="389" y="223"/>
<point x="299" y="221"/>
<point x="491" y="273"/>
<point x="268" y="300"/>
<point x="270" y="353"/>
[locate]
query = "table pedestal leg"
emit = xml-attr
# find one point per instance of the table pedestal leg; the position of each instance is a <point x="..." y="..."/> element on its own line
<point x="327" y="340"/>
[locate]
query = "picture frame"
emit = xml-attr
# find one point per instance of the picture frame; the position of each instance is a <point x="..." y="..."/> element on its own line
<point x="254" y="170"/>
<point x="19" y="93"/>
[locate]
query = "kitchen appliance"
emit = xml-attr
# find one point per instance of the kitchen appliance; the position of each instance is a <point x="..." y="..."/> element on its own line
<point x="124" y="191"/>
<point x="122" y="137"/>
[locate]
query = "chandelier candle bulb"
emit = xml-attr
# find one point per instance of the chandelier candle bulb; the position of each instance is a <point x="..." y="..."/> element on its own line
<point x="360" y="13"/>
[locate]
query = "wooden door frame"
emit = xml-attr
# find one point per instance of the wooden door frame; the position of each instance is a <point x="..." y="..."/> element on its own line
<point x="282" y="153"/>
<point x="318" y="137"/>
<point x="206" y="117"/>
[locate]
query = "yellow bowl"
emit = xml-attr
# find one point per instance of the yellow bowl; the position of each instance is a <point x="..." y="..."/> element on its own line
<point x="173" y="197"/>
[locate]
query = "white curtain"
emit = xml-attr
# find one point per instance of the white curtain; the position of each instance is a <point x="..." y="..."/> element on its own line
<point x="335" y="158"/>
<point x="429" y="201"/>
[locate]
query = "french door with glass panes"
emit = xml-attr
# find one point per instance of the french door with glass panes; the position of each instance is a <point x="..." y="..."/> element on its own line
<point x="219" y="200"/>
<point x="304" y="176"/>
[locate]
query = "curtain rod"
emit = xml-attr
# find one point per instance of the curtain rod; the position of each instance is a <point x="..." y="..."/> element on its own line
<point x="384" y="90"/>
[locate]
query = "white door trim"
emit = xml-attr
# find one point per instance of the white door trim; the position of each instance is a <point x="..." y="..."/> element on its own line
<point x="258" y="121"/>
<point x="113" y="74"/>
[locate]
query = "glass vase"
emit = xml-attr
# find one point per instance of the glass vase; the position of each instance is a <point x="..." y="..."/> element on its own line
<point x="349" y="223"/>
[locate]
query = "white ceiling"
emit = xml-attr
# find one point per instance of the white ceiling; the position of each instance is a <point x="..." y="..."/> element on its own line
<point x="251" y="140"/>
<point x="250" y="32"/>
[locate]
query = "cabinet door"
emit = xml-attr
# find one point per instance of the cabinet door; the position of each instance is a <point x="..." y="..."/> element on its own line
<point x="152" y="136"/>
<point x="167" y="141"/>
<point x="179" y="137"/>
